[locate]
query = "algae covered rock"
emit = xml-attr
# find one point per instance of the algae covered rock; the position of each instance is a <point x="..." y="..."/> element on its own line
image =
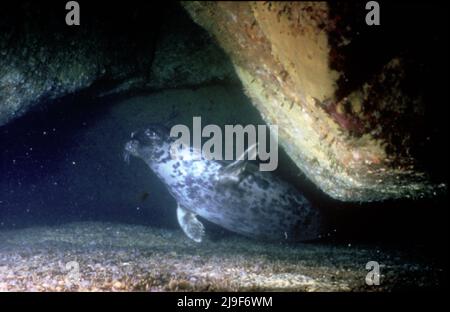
<point x="353" y="102"/>
<point x="146" y="47"/>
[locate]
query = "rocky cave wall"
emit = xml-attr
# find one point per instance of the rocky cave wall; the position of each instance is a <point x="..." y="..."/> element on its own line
<point x="348" y="98"/>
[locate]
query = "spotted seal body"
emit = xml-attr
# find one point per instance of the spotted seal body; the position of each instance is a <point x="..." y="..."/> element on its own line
<point x="235" y="196"/>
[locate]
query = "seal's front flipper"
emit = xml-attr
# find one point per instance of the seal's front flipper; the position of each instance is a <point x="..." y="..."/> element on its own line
<point x="233" y="172"/>
<point x="188" y="221"/>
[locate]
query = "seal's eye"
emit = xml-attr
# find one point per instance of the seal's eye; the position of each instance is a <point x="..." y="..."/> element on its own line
<point x="151" y="134"/>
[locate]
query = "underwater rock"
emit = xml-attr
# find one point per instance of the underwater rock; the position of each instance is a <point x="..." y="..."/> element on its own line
<point x="148" y="48"/>
<point x="350" y="99"/>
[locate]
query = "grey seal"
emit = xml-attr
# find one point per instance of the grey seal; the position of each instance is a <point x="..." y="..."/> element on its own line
<point x="234" y="195"/>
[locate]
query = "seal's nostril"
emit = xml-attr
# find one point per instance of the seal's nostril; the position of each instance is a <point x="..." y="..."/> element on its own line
<point x="132" y="134"/>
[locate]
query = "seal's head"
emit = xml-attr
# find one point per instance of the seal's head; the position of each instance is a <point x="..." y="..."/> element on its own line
<point x="146" y="144"/>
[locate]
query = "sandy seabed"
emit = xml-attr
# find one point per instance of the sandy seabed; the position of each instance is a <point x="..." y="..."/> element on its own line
<point x="92" y="256"/>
